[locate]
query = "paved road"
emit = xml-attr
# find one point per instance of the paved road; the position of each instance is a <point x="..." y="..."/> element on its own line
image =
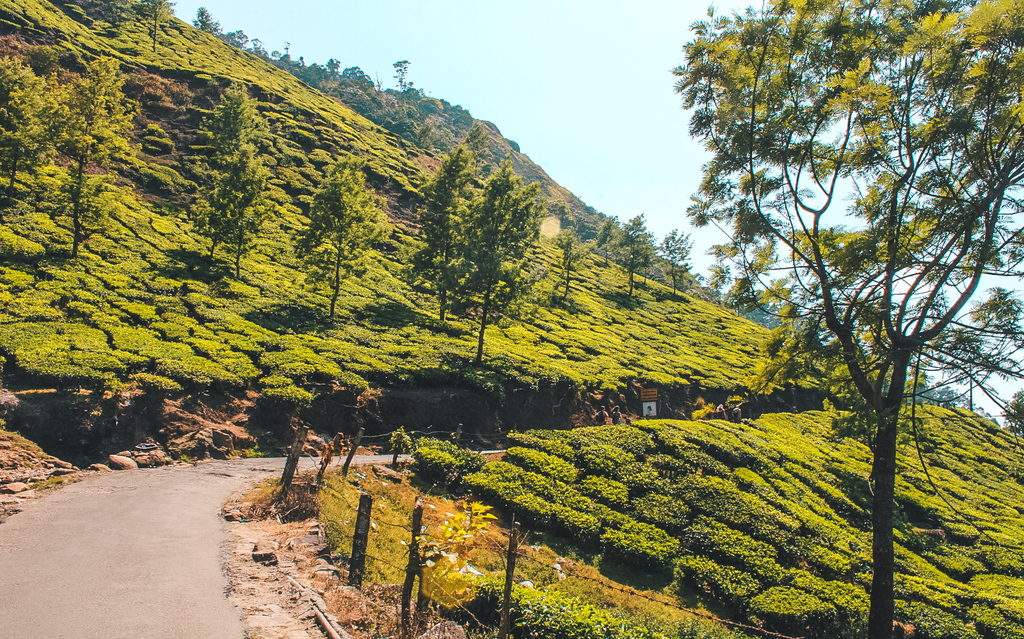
<point x="133" y="555"/>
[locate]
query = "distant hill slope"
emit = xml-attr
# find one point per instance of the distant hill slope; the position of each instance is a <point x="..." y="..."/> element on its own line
<point x="145" y="309"/>
<point x="769" y="521"/>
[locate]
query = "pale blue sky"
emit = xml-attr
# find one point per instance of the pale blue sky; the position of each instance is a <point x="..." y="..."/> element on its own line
<point x="585" y="88"/>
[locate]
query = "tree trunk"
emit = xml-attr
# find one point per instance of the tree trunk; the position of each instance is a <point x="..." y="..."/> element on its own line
<point x="14" y="172"/>
<point x="76" y="208"/>
<point x="442" y="299"/>
<point x="337" y="286"/>
<point x="631" y="283"/>
<point x="239" y="241"/>
<point x="882" y="554"/>
<point x="565" y="295"/>
<point x="483" y="325"/>
<point x="883" y="471"/>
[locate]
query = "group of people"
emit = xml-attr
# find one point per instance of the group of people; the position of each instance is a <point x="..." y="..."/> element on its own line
<point x="603" y="417"/>
<point x="721" y="413"/>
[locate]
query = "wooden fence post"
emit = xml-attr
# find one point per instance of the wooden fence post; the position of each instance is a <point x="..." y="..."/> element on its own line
<point x="357" y="563"/>
<point x="352" y="452"/>
<point x="510" y="569"/>
<point x="293" y="459"/>
<point x="411" y="570"/>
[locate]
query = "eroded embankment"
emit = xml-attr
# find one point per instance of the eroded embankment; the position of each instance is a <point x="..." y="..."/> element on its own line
<point x="84" y="426"/>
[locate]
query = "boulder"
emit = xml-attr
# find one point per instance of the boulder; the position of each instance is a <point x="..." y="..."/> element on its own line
<point x="13" y="488"/>
<point x="223" y="439"/>
<point x="265" y="552"/>
<point x="445" y="630"/>
<point x="63" y="471"/>
<point x="121" y="462"/>
<point x="103" y="468"/>
<point x="60" y="463"/>
<point x="384" y="471"/>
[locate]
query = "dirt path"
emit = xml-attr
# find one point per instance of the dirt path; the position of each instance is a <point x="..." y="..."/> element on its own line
<point x="126" y="555"/>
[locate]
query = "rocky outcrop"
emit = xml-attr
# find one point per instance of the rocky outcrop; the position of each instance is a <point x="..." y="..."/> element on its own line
<point x="121" y="462"/>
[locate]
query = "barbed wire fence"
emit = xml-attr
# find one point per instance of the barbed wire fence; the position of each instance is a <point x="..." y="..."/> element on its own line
<point x="528" y="554"/>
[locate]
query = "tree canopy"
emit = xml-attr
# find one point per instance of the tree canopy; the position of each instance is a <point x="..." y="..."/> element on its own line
<point x="500" y="227"/>
<point x="867" y="164"/>
<point x="345" y="218"/>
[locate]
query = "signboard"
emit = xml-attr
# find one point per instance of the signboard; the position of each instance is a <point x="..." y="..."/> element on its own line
<point x="650" y="409"/>
<point x="648" y="395"/>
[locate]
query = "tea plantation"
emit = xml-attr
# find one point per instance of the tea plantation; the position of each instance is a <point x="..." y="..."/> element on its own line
<point x="768" y="521"/>
<point x="145" y="306"/>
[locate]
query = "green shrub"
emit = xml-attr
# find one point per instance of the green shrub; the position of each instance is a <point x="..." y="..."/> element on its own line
<point x="604" y="490"/>
<point x="716" y="540"/>
<point x="640" y="544"/>
<point x="723" y="583"/>
<point x="603" y="459"/>
<point x="992" y="624"/>
<point x="629" y="439"/>
<point x="662" y="511"/>
<point x="442" y="462"/>
<point x="549" y="441"/>
<point x="543" y="463"/>
<point x="794" y="612"/>
<point x="539" y="614"/>
<point x="931" y="623"/>
<point x="16" y="247"/>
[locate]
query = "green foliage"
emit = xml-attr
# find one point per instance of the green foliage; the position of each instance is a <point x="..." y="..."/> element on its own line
<point x="541" y="463"/>
<point x="447" y="196"/>
<point x="640" y="544"/>
<point x="500" y="227"/>
<point x="345" y="219"/>
<point x="931" y="623"/>
<point x="92" y="120"/>
<point x="637" y="245"/>
<point x="442" y="462"/>
<point x="774" y="511"/>
<point x="549" y="615"/>
<point x="792" y="611"/>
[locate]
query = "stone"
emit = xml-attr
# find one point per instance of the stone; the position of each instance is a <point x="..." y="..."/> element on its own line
<point x="121" y="462"/>
<point x="445" y="630"/>
<point x="103" y="468"/>
<point x="60" y="463"/>
<point x="234" y="515"/>
<point x="13" y="488"/>
<point x="223" y="440"/>
<point x="384" y="471"/>
<point x="63" y="471"/>
<point x="265" y="552"/>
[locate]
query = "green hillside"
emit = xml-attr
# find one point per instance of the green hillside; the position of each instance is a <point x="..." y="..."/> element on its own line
<point x="144" y="306"/>
<point x="768" y="522"/>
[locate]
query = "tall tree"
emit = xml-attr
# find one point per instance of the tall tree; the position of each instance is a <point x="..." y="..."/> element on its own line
<point x="26" y="110"/>
<point x="500" y="227"/>
<point x="608" y="237"/>
<point x="234" y="123"/>
<point x="914" y="108"/>
<point x="204" y="22"/>
<point x="156" y="12"/>
<point x="572" y="253"/>
<point x="401" y="73"/>
<point x="637" y="245"/>
<point x="93" y="119"/>
<point x="447" y="194"/>
<point x="675" y="250"/>
<point x="345" y="219"/>
<point x="234" y="210"/>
